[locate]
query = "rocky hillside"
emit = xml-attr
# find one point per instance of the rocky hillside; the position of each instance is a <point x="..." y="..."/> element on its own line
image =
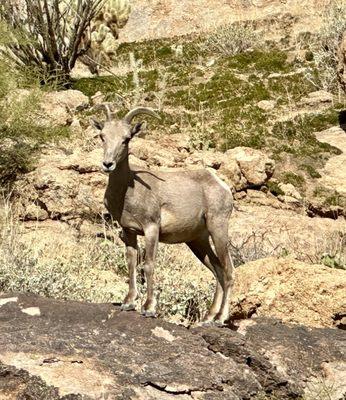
<point x="67" y="350"/>
<point x="240" y="91"/>
<point x="256" y="118"/>
<point x="246" y="101"/>
<point x="156" y="18"/>
<point x="264" y="98"/>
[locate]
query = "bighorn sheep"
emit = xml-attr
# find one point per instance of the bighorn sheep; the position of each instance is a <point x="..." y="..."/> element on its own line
<point x="180" y="206"/>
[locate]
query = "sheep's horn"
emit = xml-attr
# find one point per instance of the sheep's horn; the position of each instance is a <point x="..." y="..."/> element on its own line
<point x="140" y="110"/>
<point x="108" y="111"/>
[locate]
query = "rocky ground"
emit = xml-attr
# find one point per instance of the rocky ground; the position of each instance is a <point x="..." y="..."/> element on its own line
<point x="262" y="122"/>
<point x="66" y="350"/>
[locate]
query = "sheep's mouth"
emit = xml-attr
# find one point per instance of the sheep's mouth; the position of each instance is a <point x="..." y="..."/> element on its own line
<point x="108" y="170"/>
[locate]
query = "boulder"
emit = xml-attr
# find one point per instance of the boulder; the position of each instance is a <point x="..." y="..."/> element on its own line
<point x="254" y="164"/>
<point x="334" y="171"/>
<point x="241" y="167"/>
<point x="261" y="198"/>
<point x="62" y="187"/>
<point x="290" y="190"/>
<point x="54" y="349"/>
<point x="58" y="107"/>
<point x="98" y="98"/>
<point x="231" y="170"/>
<point x="156" y="154"/>
<point x="204" y="159"/>
<point x="290" y="290"/>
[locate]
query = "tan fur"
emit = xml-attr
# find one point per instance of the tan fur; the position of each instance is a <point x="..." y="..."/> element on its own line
<point x="179" y="206"/>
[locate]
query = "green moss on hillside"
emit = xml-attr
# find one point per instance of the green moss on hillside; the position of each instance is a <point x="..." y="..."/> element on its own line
<point x="222" y="93"/>
<point x="289" y="88"/>
<point x="108" y="85"/>
<point x="258" y="61"/>
<point x="297" y="136"/>
<point x="296" y="180"/>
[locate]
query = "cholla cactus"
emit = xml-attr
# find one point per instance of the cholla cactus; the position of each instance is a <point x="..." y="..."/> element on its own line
<point x="116" y="12"/>
<point x="105" y="32"/>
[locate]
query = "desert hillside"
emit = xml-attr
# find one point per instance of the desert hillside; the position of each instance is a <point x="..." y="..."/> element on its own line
<point x="155" y="19"/>
<point x="253" y="91"/>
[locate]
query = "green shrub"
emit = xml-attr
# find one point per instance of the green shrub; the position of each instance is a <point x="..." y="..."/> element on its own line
<point x="311" y="171"/>
<point x="297" y="136"/>
<point x="21" y="134"/>
<point x="294" y="179"/>
<point x="228" y="40"/>
<point x="275" y="189"/>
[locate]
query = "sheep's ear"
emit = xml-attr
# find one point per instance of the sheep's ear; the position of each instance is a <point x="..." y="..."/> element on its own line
<point x="139" y="128"/>
<point x="97" y="124"/>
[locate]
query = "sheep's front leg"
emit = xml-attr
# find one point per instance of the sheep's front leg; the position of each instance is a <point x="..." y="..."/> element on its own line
<point x="130" y="240"/>
<point x="151" y="234"/>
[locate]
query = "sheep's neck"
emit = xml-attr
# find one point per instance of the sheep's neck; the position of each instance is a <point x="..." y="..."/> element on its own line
<point x="118" y="183"/>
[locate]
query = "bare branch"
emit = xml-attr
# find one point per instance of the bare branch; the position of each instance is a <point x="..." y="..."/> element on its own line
<point x="53" y="33"/>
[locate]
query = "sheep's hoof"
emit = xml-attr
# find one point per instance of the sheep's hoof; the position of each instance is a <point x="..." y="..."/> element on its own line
<point x="219" y="323"/>
<point x="205" y="323"/>
<point x="211" y="322"/>
<point x="128" y="307"/>
<point x="149" y="314"/>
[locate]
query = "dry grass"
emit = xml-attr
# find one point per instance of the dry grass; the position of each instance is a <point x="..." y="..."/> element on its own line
<point x="94" y="269"/>
<point x="324" y="48"/>
<point x="89" y="269"/>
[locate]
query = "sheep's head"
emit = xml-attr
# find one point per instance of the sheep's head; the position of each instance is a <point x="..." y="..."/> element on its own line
<point x="116" y="135"/>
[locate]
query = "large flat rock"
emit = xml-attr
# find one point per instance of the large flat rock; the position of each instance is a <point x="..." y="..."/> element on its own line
<point x="52" y="349"/>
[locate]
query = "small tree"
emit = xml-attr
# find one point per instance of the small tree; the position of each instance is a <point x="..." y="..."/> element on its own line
<point x="49" y="35"/>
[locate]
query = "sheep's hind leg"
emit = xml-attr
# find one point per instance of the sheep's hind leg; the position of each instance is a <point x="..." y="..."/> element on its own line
<point x="151" y="234"/>
<point x="203" y="251"/>
<point x="218" y="228"/>
<point x="130" y="240"/>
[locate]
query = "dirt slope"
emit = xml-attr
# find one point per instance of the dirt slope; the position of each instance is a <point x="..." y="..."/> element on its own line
<point x="157" y="18"/>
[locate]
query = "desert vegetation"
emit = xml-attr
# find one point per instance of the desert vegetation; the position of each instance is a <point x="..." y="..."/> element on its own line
<point x="223" y="89"/>
<point x="259" y="100"/>
<point x="39" y="46"/>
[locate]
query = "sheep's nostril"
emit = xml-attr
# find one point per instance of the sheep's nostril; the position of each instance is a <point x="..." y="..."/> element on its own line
<point x="107" y="165"/>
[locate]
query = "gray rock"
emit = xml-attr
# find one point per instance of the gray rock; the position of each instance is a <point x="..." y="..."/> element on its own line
<point x="72" y="350"/>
